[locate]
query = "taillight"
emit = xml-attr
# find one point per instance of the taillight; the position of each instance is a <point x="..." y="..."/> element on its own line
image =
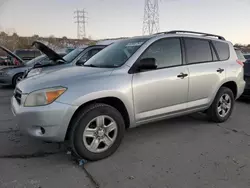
<point x="240" y="62"/>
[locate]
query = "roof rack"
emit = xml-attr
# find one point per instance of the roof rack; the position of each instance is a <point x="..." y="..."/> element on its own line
<point x="193" y="32"/>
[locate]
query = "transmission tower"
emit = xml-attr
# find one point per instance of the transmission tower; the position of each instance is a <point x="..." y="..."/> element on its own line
<point x="80" y="21"/>
<point x="151" y="17"/>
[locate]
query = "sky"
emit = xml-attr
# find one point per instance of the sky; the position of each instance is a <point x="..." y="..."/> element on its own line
<point x="124" y="18"/>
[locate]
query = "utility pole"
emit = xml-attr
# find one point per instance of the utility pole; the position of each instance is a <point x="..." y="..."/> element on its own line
<point x="151" y="17"/>
<point x="80" y="21"/>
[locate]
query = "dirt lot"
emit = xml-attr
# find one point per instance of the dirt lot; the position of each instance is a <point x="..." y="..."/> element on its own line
<point x="186" y="152"/>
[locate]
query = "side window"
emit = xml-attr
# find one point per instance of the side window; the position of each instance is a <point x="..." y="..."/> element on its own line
<point x="167" y="52"/>
<point x="197" y="51"/>
<point x="84" y="57"/>
<point x="88" y="55"/>
<point x="93" y="52"/>
<point x="222" y="50"/>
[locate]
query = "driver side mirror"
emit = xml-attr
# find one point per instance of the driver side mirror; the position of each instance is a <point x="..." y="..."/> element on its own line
<point x="147" y="64"/>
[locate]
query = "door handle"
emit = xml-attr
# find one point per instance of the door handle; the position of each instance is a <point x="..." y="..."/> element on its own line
<point x="220" y="70"/>
<point x="182" y="75"/>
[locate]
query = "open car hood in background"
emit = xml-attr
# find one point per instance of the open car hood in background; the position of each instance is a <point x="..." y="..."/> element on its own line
<point x="12" y="54"/>
<point x="47" y="51"/>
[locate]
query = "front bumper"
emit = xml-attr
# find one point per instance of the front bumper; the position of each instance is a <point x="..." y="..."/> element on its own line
<point x="5" y="80"/>
<point x="49" y="123"/>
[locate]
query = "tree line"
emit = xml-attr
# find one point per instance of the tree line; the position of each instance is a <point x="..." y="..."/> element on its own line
<point x="13" y="42"/>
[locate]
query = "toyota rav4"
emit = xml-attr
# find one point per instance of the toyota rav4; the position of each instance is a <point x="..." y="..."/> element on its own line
<point x="129" y="83"/>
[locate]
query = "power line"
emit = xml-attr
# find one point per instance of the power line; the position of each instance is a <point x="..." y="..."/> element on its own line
<point x="151" y="17"/>
<point x="81" y="22"/>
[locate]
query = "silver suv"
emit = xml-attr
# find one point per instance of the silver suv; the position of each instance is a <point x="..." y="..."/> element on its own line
<point x="129" y="83"/>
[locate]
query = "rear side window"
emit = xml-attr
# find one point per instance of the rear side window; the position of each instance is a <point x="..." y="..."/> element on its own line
<point x="197" y="51"/>
<point x="93" y="52"/>
<point x="222" y="50"/>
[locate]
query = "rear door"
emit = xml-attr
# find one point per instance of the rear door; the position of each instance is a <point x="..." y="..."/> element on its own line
<point x="206" y="69"/>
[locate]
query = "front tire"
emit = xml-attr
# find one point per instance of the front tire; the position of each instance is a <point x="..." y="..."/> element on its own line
<point x="97" y="132"/>
<point x="222" y="106"/>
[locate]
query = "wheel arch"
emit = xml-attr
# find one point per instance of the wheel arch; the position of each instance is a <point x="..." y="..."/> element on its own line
<point x="115" y="102"/>
<point x="231" y="85"/>
<point x="15" y="75"/>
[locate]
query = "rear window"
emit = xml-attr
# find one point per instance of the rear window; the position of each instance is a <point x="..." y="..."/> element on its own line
<point x="240" y="55"/>
<point x="222" y="50"/>
<point x="197" y="51"/>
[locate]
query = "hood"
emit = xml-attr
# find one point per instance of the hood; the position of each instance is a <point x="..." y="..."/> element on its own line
<point x="12" y="54"/>
<point x="63" y="77"/>
<point x="47" y="51"/>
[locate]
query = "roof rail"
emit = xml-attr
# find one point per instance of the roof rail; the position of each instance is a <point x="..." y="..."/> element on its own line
<point x="193" y="32"/>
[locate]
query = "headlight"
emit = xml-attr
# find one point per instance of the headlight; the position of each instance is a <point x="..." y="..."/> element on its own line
<point x="34" y="72"/>
<point x="44" y="96"/>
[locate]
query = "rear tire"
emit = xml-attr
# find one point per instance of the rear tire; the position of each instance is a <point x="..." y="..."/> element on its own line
<point x="222" y="106"/>
<point x="96" y="132"/>
<point x="17" y="78"/>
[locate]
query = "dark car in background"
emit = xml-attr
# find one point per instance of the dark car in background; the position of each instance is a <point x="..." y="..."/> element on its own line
<point x="243" y="58"/>
<point x="77" y="56"/>
<point x="246" y="92"/>
<point x="247" y="56"/>
<point x="25" y="55"/>
<point x="12" y="74"/>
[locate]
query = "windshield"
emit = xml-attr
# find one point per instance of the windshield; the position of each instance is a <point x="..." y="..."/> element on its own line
<point x="240" y="56"/>
<point x="72" y="55"/>
<point x="35" y="60"/>
<point x="116" y="54"/>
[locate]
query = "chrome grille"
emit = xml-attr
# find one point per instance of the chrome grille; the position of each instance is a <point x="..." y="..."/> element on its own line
<point x="18" y="95"/>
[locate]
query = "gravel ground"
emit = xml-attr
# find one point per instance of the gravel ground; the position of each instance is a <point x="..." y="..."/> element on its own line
<point x="182" y="152"/>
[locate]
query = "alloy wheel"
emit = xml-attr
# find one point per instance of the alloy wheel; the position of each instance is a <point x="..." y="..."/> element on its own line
<point x="100" y="134"/>
<point x="224" y="105"/>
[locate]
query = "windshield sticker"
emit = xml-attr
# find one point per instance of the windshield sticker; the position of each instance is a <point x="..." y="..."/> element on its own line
<point x="134" y="44"/>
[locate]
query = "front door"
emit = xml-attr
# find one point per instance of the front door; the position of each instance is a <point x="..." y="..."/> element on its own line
<point x="163" y="91"/>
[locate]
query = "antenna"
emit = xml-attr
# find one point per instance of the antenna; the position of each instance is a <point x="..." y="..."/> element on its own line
<point x="151" y="17"/>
